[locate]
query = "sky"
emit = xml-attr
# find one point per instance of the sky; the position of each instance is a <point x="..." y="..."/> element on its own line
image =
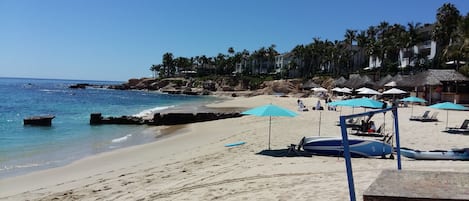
<point x="120" y="39"/>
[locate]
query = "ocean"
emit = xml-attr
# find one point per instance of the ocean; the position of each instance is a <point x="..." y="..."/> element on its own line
<point x="25" y="149"/>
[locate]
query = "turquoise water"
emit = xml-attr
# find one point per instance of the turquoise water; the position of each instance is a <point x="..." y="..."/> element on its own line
<point x="25" y="149"/>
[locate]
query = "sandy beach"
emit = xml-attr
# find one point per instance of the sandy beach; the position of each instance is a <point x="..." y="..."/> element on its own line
<point x="191" y="163"/>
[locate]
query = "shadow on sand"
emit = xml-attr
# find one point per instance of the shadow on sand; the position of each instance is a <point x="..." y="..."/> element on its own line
<point x="284" y="153"/>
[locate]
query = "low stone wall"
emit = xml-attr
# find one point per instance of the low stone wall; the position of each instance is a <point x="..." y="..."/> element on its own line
<point x="162" y="119"/>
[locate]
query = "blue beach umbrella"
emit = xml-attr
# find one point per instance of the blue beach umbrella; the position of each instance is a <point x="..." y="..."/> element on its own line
<point x="448" y="106"/>
<point x="414" y="100"/>
<point x="358" y="102"/>
<point x="270" y="111"/>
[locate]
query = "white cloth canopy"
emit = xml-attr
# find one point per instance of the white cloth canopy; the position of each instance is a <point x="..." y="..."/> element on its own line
<point x="337" y="89"/>
<point x="361" y="89"/>
<point x="319" y="89"/>
<point x="369" y="92"/>
<point x="347" y="90"/>
<point x="395" y="91"/>
<point x="342" y="90"/>
<point x="391" y="84"/>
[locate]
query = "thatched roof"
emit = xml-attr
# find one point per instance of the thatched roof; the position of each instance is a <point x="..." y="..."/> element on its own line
<point x="434" y="77"/>
<point x="403" y="80"/>
<point x="447" y="75"/>
<point x="340" y="82"/>
<point x="384" y="80"/>
<point x="357" y="81"/>
<point x="309" y="85"/>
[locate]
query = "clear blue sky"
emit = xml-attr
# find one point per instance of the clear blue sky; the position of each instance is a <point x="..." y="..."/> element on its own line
<point x="117" y="39"/>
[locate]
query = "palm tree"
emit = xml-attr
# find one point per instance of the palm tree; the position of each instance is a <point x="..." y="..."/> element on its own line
<point x="464" y="34"/>
<point x="412" y="38"/>
<point x="350" y="36"/>
<point x="299" y="52"/>
<point x="372" y="46"/>
<point x="271" y="53"/>
<point x="382" y="40"/>
<point x="362" y="41"/>
<point x="168" y="64"/>
<point x="155" y="68"/>
<point x="447" y="19"/>
<point x="220" y="63"/>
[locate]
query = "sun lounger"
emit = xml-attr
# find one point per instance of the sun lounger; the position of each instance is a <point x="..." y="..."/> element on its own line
<point x="378" y="133"/>
<point x="351" y="123"/>
<point x="464" y="129"/>
<point x="418" y="118"/>
<point x="430" y="119"/>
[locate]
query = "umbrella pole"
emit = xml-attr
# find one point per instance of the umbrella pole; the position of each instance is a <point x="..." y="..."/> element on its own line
<point x="446" y="119"/>
<point x="412" y="109"/>
<point x="319" y="124"/>
<point x="270" y="125"/>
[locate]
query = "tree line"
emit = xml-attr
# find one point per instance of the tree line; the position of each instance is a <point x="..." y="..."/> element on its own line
<point x="339" y="57"/>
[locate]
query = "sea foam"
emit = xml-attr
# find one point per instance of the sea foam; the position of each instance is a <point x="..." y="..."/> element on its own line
<point x="121" y="139"/>
<point x="148" y="112"/>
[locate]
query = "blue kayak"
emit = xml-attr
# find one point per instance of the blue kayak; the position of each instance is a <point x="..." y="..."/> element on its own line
<point x="332" y="146"/>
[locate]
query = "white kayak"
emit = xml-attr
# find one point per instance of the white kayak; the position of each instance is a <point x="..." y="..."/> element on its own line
<point x="454" y="154"/>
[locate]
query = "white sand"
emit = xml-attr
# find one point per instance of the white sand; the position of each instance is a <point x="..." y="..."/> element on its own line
<point x="195" y="165"/>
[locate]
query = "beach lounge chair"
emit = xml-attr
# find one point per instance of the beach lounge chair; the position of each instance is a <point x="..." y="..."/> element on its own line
<point x="350" y="123"/>
<point x="378" y="133"/>
<point x="292" y="148"/>
<point x="418" y="118"/>
<point x="464" y="129"/>
<point x="430" y="119"/>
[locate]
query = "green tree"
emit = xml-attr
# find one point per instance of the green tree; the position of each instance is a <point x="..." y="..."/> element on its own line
<point x="155" y="68"/>
<point x="168" y="65"/>
<point x="447" y="21"/>
<point x="350" y="37"/>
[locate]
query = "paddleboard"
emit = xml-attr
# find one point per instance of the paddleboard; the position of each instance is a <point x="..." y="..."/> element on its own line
<point x="235" y="144"/>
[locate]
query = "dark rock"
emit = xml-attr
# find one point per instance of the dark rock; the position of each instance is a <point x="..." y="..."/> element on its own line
<point x="173" y="118"/>
<point x="210" y="85"/>
<point x="162" y="119"/>
<point x="95" y="118"/>
<point x="185" y="118"/>
<point x="79" y="86"/>
<point x="206" y="92"/>
<point x="39" y="120"/>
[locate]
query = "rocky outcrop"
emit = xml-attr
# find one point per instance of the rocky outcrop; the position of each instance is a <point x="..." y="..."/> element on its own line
<point x="215" y="85"/>
<point x="79" y="86"/>
<point x="39" y="120"/>
<point x="97" y="118"/>
<point x="162" y="119"/>
<point x="185" y="118"/>
<point x="280" y="86"/>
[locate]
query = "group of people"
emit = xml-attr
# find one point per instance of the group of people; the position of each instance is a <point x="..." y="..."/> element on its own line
<point x="368" y="126"/>
<point x="302" y="107"/>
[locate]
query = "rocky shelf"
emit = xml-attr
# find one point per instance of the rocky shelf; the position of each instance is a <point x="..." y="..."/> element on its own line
<point x="162" y="119"/>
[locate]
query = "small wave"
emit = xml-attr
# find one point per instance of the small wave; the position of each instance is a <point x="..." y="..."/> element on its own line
<point x="145" y="113"/>
<point x="52" y="90"/>
<point x="121" y="139"/>
<point x="27" y="165"/>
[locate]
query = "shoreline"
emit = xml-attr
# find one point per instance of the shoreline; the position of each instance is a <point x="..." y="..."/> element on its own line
<point x="192" y="163"/>
<point x="135" y="135"/>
